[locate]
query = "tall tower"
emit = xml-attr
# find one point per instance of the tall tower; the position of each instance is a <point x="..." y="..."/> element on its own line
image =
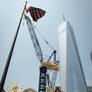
<point x="73" y="79"/>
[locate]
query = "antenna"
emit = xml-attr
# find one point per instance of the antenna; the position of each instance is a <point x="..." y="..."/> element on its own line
<point x="91" y="56"/>
<point x="63" y="17"/>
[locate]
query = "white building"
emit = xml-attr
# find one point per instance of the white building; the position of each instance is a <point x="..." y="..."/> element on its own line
<point x="73" y="79"/>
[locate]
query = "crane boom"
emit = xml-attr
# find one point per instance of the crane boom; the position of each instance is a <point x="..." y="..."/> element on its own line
<point x="34" y="39"/>
<point x="43" y="69"/>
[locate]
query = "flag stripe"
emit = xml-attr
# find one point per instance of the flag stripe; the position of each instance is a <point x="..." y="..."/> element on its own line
<point x="40" y="13"/>
<point x="37" y="15"/>
<point x="34" y="15"/>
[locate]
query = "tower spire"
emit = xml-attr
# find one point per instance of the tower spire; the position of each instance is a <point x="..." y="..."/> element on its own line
<point x="63" y="17"/>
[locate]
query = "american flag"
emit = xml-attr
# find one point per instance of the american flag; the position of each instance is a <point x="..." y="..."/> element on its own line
<point x="36" y="13"/>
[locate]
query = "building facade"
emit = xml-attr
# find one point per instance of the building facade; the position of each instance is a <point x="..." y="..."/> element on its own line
<point x="72" y="75"/>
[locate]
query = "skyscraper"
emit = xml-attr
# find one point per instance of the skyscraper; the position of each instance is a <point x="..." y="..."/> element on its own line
<point x="72" y="75"/>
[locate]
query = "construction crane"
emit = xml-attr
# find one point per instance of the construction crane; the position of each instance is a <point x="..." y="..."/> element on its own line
<point x="45" y="65"/>
<point x="51" y="65"/>
<point x="43" y="69"/>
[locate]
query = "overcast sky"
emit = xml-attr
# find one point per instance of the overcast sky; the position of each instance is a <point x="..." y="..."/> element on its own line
<point x="24" y="67"/>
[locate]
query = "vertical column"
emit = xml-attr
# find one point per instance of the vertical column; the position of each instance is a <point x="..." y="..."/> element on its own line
<point x="42" y="79"/>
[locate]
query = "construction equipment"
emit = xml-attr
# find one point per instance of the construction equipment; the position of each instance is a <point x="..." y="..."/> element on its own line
<point x="34" y="39"/>
<point x="43" y="70"/>
<point x="51" y="65"/>
<point x="42" y="79"/>
<point x="45" y="65"/>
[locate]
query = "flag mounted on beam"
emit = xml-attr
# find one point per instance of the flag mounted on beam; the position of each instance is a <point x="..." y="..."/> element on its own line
<point x="34" y="39"/>
<point x="36" y="13"/>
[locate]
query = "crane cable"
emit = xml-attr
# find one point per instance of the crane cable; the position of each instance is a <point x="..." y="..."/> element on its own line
<point x="49" y="45"/>
<point x="35" y="28"/>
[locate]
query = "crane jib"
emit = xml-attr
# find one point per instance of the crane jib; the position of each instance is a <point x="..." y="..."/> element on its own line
<point x="34" y="39"/>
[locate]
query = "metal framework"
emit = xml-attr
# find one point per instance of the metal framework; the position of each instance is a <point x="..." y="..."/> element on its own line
<point x="36" y="45"/>
<point x="42" y="79"/>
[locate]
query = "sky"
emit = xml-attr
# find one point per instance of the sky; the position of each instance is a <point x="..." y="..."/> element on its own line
<point x="24" y="66"/>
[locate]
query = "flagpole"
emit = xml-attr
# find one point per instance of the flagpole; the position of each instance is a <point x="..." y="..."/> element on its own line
<point x="10" y="53"/>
